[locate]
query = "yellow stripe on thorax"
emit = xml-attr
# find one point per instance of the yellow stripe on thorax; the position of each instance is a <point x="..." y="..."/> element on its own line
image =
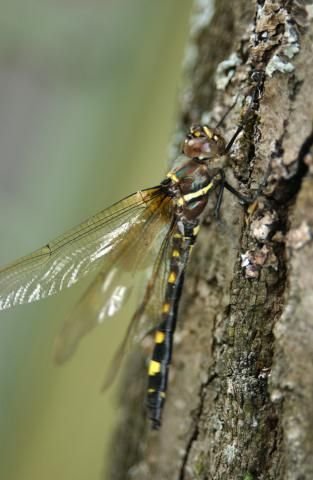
<point x="198" y="193"/>
<point x="173" y="177"/>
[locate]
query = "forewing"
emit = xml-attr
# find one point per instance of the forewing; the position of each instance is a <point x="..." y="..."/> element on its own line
<point x="127" y="267"/>
<point x="62" y="262"/>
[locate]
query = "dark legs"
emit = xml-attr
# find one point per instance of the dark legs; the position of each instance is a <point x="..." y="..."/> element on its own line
<point x="242" y="198"/>
<point x="258" y="78"/>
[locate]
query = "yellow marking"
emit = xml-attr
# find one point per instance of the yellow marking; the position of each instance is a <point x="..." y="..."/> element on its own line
<point x="172" y="277"/>
<point x="195" y="231"/>
<point x="177" y="235"/>
<point x="198" y="193"/>
<point x="173" y="177"/>
<point x="154" y="367"/>
<point x="166" y="308"/>
<point x="159" y="337"/>
<point x="196" y="133"/>
<point x="181" y="201"/>
<point x="153" y="390"/>
<point x="207" y="131"/>
<point x="175" y="253"/>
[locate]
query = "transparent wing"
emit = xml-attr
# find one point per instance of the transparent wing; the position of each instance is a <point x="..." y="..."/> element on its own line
<point x="122" y="271"/>
<point x="62" y="262"/>
<point x="148" y="315"/>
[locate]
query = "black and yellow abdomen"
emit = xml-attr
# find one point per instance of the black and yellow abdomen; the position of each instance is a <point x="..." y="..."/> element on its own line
<point x="162" y="354"/>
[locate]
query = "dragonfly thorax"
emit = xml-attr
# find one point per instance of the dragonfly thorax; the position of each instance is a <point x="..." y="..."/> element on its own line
<point x="204" y="143"/>
<point x="190" y="185"/>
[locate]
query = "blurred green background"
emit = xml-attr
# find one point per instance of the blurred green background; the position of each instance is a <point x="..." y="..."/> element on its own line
<point x="88" y="96"/>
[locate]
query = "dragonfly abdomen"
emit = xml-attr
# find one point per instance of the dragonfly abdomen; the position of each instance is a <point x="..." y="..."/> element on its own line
<point x="162" y="353"/>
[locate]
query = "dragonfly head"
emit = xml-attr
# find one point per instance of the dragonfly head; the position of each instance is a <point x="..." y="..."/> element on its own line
<point x="204" y="143"/>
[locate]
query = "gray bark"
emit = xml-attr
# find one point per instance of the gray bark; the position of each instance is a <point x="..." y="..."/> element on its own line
<point x="240" y="400"/>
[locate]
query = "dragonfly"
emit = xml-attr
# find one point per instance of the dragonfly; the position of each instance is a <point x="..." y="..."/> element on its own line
<point x="150" y="232"/>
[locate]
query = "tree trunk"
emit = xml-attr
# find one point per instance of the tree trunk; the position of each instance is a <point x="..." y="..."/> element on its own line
<point x="240" y="399"/>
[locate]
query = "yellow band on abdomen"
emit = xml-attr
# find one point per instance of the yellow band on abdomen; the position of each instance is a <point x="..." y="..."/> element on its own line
<point x="154" y="367"/>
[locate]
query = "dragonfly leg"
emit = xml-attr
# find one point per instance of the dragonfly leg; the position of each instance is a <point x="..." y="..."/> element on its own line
<point x="245" y="199"/>
<point x="219" y="200"/>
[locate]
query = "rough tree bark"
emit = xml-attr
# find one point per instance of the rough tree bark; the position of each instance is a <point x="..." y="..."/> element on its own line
<point x="240" y="400"/>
